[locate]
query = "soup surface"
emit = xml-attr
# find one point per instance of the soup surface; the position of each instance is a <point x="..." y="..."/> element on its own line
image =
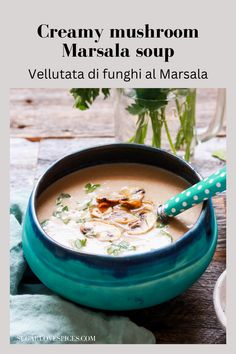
<point x="111" y="209"/>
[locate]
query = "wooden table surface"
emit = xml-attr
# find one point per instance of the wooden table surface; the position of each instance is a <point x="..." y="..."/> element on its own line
<point x="44" y="127"/>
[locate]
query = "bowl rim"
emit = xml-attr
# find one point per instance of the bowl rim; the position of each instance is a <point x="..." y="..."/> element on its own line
<point x="216" y="299"/>
<point x="187" y="237"/>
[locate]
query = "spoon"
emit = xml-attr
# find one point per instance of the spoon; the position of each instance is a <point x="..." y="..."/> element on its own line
<point x="203" y="190"/>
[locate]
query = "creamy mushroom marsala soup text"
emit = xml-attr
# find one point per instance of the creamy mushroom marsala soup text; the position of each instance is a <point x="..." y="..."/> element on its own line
<point x="111" y="209"/>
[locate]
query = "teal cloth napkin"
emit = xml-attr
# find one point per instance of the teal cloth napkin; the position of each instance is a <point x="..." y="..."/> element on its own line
<point x="39" y="316"/>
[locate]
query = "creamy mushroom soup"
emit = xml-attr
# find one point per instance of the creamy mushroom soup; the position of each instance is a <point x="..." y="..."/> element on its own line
<point x="111" y="209"/>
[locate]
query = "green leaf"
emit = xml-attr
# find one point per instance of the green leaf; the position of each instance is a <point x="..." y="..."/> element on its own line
<point x="61" y="197"/>
<point x="90" y="187"/>
<point x="44" y="222"/>
<point x="220" y="154"/>
<point x="117" y="248"/>
<point x="156" y="94"/>
<point x="65" y="208"/>
<point x="16" y="211"/>
<point x="106" y="92"/>
<point x="66" y="221"/>
<point x="57" y="214"/>
<point x="80" y="243"/>
<point x="84" y="97"/>
<point x="65" y="195"/>
<point x="80" y="221"/>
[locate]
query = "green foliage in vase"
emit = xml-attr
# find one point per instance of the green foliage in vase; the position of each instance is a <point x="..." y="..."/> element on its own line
<point x="149" y="104"/>
<point x="186" y="114"/>
<point x="84" y="97"/>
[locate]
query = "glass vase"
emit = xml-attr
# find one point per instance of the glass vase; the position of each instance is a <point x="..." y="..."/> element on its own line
<point x="164" y="118"/>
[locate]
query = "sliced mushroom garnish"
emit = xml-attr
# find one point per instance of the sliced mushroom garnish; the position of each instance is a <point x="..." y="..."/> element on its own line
<point x="135" y="224"/>
<point x="132" y="204"/>
<point x="98" y="213"/>
<point x="103" y="231"/>
<point x="132" y="192"/>
<point x="104" y="206"/>
<point x="87" y="230"/>
<point x="120" y="226"/>
<point x="133" y="197"/>
<point x="145" y="207"/>
<point x="107" y="201"/>
<point x="111" y="198"/>
<point x="120" y="207"/>
<point x="121" y="217"/>
<point x="95" y="212"/>
<point x="145" y="224"/>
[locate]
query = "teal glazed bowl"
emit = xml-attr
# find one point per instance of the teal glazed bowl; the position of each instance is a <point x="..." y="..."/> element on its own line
<point x="119" y="283"/>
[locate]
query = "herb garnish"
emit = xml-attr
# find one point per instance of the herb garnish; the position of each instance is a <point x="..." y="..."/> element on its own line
<point x="57" y="214"/>
<point x="166" y="233"/>
<point x="90" y="187"/>
<point x="60" y="207"/>
<point x="44" y="222"/>
<point x="80" y="221"/>
<point x="66" y="221"/>
<point x="117" y="248"/>
<point x="61" y="197"/>
<point x="80" y="243"/>
<point x="65" y="208"/>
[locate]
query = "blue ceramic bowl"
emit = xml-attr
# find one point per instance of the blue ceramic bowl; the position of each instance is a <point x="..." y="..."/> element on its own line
<point x="119" y="283"/>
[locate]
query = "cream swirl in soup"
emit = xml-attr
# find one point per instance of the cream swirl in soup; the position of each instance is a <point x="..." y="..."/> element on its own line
<point x="111" y="209"/>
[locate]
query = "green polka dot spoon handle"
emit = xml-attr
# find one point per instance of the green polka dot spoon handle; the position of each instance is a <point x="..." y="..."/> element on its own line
<point x="196" y="194"/>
